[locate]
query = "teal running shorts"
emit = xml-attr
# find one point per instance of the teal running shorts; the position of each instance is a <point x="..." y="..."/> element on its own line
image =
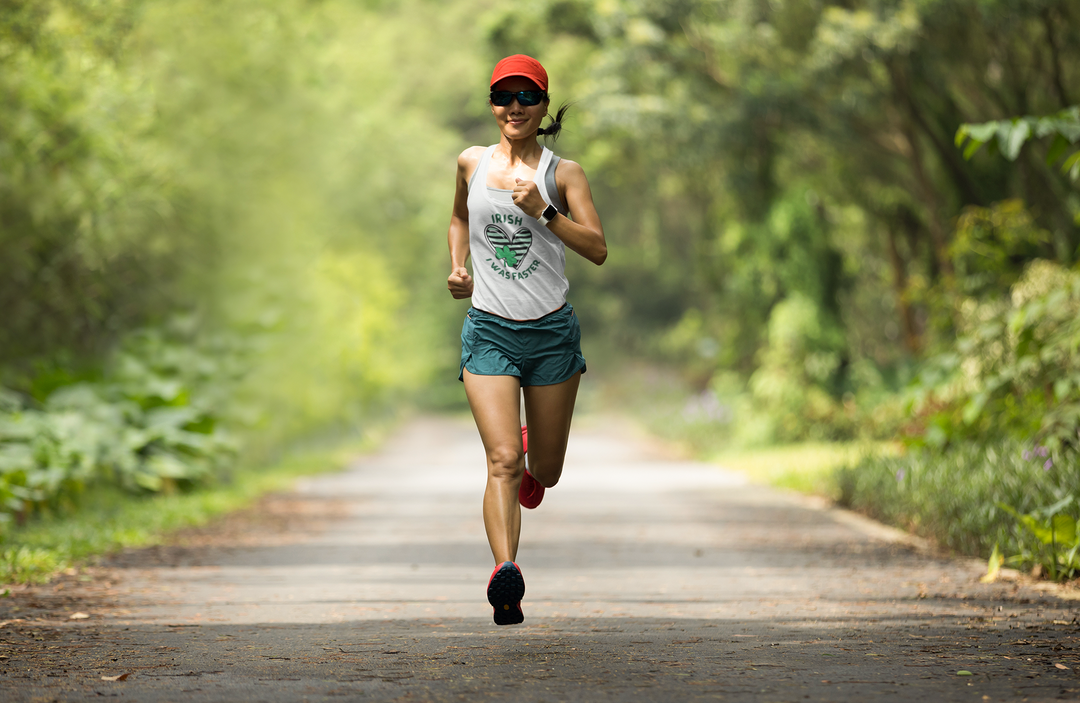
<point x="540" y="352"/>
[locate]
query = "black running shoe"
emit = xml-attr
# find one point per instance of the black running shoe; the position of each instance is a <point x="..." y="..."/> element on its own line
<point x="506" y="587"/>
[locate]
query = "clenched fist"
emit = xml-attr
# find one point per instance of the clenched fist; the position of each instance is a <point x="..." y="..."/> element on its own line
<point x="460" y="283"/>
<point x="527" y="197"/>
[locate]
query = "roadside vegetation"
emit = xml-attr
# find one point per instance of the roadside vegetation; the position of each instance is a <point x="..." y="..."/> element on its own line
<point x="208" y="237"/>
<point x="105" y="518"/>
<point x="838" y="224"/>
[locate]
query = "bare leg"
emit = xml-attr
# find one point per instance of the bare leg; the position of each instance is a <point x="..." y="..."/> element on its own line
<point x="496" y="407"/>
<point x="548" y="411"/>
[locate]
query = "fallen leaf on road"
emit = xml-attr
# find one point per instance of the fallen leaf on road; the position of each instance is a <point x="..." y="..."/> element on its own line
<point x="1062" y="666"/>
<point x="78" y="616"/>
<point x="993" y="566"/>
<point x="964" y="672"/>
<point x="121" y="677"/>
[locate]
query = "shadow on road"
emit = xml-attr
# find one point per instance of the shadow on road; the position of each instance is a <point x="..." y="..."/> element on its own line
<point x="550" y="659"/>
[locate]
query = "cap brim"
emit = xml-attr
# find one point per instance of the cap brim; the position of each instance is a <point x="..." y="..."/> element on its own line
<point x="519" y="75"/>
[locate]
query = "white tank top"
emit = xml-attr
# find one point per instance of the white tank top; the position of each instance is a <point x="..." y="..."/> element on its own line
<point x="518" y="264"/>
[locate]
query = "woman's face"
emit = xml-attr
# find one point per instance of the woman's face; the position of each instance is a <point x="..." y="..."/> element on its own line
<point x="514" y="120"/>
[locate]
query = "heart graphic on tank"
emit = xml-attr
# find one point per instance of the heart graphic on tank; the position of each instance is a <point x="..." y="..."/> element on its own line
<point x="510" y="248"/>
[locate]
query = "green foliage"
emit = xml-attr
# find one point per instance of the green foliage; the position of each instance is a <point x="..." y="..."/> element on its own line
<point x="956" y="495"/>
<point x="1052" y="543"/>
<point x="151" y="425"/>
<point x="1007" y="137"/>
<point x="1015" y="369"/>
<point x="109" y="518"/>
<point x="798" y="369"/>
<point x="89" y="236"/>
<point x="992" y="246"/>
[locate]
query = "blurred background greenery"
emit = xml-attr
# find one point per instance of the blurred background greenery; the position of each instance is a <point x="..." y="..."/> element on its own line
<point x="222" y="232"/>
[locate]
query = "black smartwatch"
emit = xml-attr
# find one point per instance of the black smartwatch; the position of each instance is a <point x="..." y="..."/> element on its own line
<point x="547" y="215"/>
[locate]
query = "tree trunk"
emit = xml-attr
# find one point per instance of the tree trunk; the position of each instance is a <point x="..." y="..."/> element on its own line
<point x="928" y="194"/>
<point x="912" y="342"/>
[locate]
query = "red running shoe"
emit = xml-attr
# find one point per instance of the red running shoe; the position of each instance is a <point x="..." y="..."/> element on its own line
<point x="506" y="588"/>
<point x="531" y="492"/>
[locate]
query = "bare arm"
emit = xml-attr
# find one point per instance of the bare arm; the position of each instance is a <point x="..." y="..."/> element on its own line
<point x="584" y="234"/>
<point x="459" y="282"/>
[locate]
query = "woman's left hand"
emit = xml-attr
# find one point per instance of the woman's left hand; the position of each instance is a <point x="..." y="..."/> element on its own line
<point x="527" y="197"/>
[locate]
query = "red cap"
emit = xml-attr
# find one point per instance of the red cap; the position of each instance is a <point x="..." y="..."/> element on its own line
<point x="520" y="65"/>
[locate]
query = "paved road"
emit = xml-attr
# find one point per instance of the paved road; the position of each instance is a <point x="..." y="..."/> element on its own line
<point x="648" y="579"/>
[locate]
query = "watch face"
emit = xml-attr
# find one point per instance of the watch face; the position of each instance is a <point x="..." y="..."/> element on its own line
<point x="550" y="212"/>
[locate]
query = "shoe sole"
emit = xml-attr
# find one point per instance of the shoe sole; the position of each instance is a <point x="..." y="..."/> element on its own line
<point x="504" y="593"/>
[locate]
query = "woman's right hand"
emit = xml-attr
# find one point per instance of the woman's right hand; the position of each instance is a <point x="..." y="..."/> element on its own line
<point x="460" y="283"/>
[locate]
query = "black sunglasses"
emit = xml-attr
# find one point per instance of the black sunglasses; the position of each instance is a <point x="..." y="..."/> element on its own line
<point x="525" y="98"/>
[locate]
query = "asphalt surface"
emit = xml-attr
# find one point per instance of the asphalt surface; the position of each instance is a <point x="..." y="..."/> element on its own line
<point x="648" y="579"/>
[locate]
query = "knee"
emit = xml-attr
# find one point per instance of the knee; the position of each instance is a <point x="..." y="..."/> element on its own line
<point x="506" y="462"/>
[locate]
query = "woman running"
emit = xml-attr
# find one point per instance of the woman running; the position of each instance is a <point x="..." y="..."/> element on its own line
<point x="512" y="214"/>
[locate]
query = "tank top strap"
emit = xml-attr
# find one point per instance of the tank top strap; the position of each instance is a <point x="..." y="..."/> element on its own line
<point x="545" y="176"/>
<point x="482" y="168"/>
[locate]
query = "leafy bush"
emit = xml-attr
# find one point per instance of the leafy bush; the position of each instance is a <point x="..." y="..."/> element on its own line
<point x="1052" y="546"/>
<point x="791" y="387"/>
<point x="1015" y="368"/>
<point x="957" y="496"/>
<point x="153" y="424"/>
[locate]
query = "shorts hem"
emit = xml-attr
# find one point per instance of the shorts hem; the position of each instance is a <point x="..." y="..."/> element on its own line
<point x="579" y="367"/>
<point x="465" y="365"/>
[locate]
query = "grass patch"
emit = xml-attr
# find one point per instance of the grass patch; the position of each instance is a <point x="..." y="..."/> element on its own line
<point x="662" y="401"/>
<point x="106" y="518"/>
<point x="954" y="496"/>
<point x="806" y="467"/>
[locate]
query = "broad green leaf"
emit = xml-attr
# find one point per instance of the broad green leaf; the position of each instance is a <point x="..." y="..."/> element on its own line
<point x="1064" y="530"/>
<point x="962" y="133"/>
<point x="1059" y="506"/>
<point x="1017" y="134"/>
<point x="1067" y="123"/>
<point x="1072" y="166"/>
<point x="982" y="132"/>
<point x="978" y="134"/>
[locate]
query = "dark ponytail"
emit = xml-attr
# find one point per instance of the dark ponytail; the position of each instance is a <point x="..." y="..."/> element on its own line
<point x="553" y="129"/>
